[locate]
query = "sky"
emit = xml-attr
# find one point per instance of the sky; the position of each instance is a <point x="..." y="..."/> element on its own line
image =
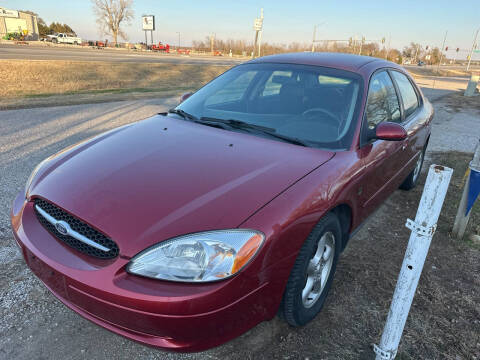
<point x="402" y="21"/>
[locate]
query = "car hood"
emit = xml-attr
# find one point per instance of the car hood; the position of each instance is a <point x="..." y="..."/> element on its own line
<point x="163" y="177"/>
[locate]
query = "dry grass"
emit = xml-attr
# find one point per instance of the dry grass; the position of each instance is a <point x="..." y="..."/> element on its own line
<point x="27" y="78"/>
<point x="443" y="71"/>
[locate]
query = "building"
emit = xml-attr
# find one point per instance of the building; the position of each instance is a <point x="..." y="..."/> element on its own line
<point x="13" y="21"/>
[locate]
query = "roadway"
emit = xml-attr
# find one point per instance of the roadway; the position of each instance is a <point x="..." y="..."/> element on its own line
<point x="74" y="53"/>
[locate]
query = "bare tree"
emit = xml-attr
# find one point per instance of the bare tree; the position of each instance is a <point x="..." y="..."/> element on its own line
<point x="111" y="14"/>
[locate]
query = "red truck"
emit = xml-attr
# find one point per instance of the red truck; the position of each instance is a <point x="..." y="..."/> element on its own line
<point x="161" y="47"/>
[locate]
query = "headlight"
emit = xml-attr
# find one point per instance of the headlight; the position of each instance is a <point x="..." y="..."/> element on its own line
<point x="200" y="257"/>
<point x="32" y="175"/>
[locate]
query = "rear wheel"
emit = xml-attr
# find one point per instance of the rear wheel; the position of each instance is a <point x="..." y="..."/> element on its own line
<point x="313" y="271"/>
<point x="411" y="181"/>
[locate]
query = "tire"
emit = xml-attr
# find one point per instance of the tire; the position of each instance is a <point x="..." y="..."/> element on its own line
<point x="75" y="43"/>
<point x="55" y="41"/>
<point x="299" y="306"/>
<point x="412" y="179"/>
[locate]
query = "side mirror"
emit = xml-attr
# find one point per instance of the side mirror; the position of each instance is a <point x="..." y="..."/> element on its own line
<point x="185" y="96"/>
<point x="390" y="131"/>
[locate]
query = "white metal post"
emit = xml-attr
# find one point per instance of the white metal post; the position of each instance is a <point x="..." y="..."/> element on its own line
<point x="423" y="229"/>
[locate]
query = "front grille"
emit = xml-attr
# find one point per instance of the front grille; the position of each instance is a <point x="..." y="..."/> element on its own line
<point x="80" y="227"/>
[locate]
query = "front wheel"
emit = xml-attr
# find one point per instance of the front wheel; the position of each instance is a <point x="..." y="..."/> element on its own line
<point x="313" y="271"/>
<point x="411" y="181"/>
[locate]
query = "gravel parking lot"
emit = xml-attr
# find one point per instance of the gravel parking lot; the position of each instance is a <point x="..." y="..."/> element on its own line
<point x="33" y="325"/>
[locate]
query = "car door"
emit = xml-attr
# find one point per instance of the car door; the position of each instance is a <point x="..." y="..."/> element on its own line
<point x="381" y="158"/>
<point x="413" y="120"/>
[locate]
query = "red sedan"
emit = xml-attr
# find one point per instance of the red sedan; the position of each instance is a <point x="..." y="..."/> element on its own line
<point x="184" y="230"/>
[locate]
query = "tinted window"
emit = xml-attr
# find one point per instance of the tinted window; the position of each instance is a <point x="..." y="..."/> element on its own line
<point x="382" y="102"/>
<point x="310" y="103"/>
<point x="409" y="96"/>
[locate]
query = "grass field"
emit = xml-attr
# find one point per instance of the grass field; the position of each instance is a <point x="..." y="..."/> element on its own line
<point x="41" y="82"/>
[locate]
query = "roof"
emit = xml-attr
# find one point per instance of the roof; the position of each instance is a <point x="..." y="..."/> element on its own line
<point x="329" y="59"/>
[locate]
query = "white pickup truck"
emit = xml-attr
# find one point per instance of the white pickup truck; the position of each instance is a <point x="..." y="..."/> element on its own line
<point x="62" y="38"/>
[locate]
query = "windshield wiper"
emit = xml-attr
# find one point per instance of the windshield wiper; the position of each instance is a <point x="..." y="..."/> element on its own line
<point x="238" y="124"/>
<point x="183" y="114"/>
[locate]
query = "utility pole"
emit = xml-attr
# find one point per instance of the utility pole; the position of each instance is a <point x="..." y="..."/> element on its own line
<point x="388" y="49"/>
<point x="416" y="53"/>
<point x="474" y="45"/>
<point x="361" y="45"/>
<point x="212" y="43"/>
<point x="383" y="43"/>
<point x="315" y="34"/>
<point x="441" y="51"/>
<point x="178" y="32"/>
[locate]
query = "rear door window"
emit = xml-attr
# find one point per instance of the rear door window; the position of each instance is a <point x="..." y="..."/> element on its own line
<point x="409" y="96"/>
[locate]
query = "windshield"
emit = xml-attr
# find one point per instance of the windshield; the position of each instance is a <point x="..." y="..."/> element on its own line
<point x="313" y="104"/>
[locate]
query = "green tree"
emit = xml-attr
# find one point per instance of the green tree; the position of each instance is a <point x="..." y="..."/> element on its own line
<point x="56" y="27"/>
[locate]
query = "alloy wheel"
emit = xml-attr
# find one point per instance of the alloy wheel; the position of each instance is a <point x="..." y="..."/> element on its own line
<point x="318" y="269"/>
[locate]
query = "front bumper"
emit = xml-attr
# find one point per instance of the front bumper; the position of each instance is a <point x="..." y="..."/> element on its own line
<point x="173" y="316"/>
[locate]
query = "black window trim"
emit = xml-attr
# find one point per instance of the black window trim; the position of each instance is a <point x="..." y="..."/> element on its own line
<point x="363" y="130"/>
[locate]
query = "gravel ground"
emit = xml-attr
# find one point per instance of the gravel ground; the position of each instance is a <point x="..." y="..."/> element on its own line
<point x="457" y="124"/>
<point x="33" y="325"/>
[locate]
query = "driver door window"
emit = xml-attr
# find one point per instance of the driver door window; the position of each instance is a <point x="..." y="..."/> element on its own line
<point x="382" y="102"/>
<point x="275" y="82"/>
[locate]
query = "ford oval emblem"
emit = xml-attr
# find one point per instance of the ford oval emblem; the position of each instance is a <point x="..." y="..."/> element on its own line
<point x="62" y="227"/>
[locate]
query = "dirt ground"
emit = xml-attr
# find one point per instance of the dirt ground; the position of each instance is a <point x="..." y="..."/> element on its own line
<point x="444" y="321"/>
